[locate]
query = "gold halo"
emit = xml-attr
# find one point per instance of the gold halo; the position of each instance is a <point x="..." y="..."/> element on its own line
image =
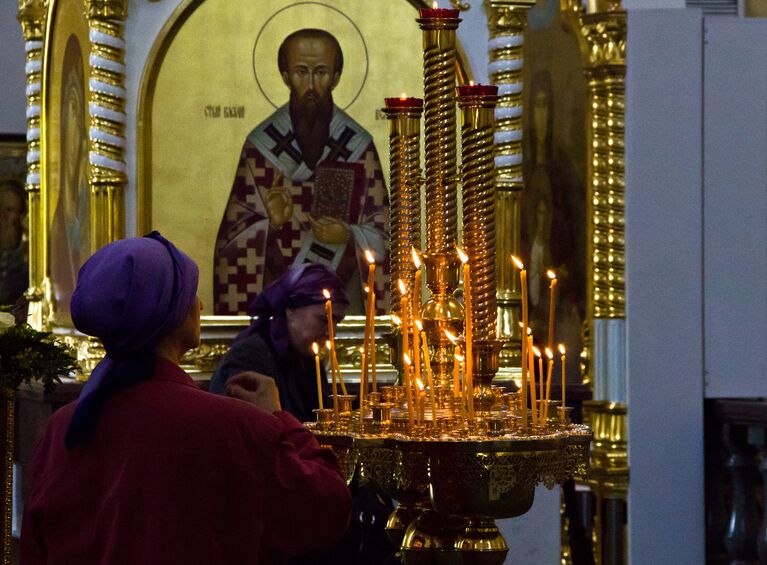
<point x="310" y="15"/>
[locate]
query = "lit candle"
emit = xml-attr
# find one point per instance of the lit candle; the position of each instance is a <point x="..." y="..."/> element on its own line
<point x="550" y="355"/>
<point x="541" y="380"/>
<point x="316" y="349"/>
<point x="562" y="360"/>
<point x="419" y="392"/>
<point x="363" y="386"/>
<point x="408" y="389"/>
<point x="416" y="351"/>
<point x="531" y="371"/>
<point x="416" y="284"/>
<point x="332" y="339"/>
<point x="335" y="383"/>
<point x="523" y="282"/>
<point x="468" y="323"/>
<point x="436" y="13"/>
<point x="454" y="340"/>
<point x="552" y="308"/>
<point x="404" y="101"/>
<point x="404" y="307"/>
<point x="426" y="354"/>
<point x="370" y="313"/>
<point x="456" y="371"/>
<point x="461" y="360"/>
<point x="430" y="380"/>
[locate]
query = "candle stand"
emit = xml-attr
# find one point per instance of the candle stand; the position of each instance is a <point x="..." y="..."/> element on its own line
<point x="455" y="453"/>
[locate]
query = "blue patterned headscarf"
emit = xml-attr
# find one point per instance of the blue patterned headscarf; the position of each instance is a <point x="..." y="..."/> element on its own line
<point x="130" y="294"/>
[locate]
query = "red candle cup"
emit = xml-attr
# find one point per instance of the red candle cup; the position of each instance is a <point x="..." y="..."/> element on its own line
<point x="438" y="13"/>
<point x="478" y="90"/>
<point x="393" y="103"/>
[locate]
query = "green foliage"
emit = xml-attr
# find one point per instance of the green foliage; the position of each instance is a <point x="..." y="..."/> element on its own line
<point x="28" y="355"/>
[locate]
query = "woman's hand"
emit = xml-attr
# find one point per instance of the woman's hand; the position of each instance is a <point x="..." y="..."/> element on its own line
<point x="255" y="388"/>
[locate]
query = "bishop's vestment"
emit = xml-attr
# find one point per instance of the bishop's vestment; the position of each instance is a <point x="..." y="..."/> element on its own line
<point x="347" y="184"/>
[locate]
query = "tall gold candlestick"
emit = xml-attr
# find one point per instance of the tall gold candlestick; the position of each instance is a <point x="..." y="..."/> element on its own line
<point x="404" y="115"/>
<point x="440" y="131"/>
<point x="477" y="103"/>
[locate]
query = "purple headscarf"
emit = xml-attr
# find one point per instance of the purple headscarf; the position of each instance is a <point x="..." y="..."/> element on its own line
<point x="300" y="286"/>
<point x="129" y="294"/>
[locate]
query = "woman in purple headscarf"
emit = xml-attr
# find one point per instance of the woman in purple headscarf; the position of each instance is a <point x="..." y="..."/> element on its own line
<point x="289" y="315"/>
<point x="146" y="467"/>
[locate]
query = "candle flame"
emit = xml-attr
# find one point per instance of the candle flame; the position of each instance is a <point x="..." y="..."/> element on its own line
<point x="459" y="357"/>
<point x="362" y="350"/>
<point x="471" y="83"/>
<point x="549" y="353"/>
<point x="367" y="288"/>
<point x="316" y="348"/>
<point x="402" y="287"/>
<point x="396" y="320"/>
<point x="403" y="96"/>
<point x="326" y="293"/>
<point x="406" y="357"/>
<point x="451" y="337"/>
<point x="529" y="331"/>
<point x="519" y="264"/>
<point x="419" y="383"/>
<point x="327" y="344"/>
<point x="416" y="258"/>
<point x="419" y="325"/>
<point x="369" y="256"/>
<point x="536" y="351"/>
<point x="434" y="4"/>
<point x="551" y="274"/>
<point x="562" y="349"/>
<point x="462" y="255"/>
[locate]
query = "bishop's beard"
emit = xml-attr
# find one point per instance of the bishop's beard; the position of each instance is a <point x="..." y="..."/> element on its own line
<point x="311" y="117"/>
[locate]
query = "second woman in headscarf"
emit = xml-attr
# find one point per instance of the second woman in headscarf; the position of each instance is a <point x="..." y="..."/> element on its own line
<point x="288" y="316"/>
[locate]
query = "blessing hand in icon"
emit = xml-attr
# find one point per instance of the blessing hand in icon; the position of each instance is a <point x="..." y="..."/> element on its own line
<point x="279" y="203"/>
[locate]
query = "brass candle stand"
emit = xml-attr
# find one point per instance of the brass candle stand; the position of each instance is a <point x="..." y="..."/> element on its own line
<point x="455" y="460"/>
<point x="442" y="311"/>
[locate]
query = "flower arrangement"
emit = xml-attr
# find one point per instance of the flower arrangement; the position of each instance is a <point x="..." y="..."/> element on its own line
<point x="28" y="355"/>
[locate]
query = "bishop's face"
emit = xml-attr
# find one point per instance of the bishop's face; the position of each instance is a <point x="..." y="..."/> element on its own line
<point x="311" y="74"/>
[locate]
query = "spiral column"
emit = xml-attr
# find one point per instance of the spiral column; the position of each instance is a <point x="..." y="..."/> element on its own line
<point x="404" y="115"/>
<point x="31" y="16"/>
<point x="479" y="238"/>
<point x="507" y="21"/>
<point x="441" y="312"/>
<point x="605" y="43"/>
<point x="107" y="118"/>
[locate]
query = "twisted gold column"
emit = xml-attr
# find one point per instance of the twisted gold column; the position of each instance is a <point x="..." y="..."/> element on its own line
<point x="604" y="37"/>
<point x="440" y="133"/>
<point x="442" y="312"/>
<point x="31" y="16"/>
<point x="479" y="194"/>
<point x="507" y="21"/>
<point x="404" y="193"/>
<point x="107" y="115"/>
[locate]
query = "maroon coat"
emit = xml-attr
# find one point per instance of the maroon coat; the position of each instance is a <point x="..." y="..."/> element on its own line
<point x="173" y="474"/>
